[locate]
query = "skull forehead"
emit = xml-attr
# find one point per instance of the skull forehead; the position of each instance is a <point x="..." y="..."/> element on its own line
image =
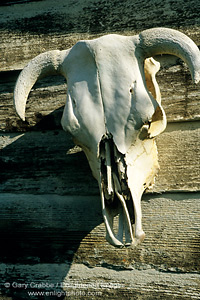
<point x="106" y="56"/>
<point x="100" y="74"/>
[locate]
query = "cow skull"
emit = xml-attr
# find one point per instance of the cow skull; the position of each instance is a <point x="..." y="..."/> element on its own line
<point x="113" y="111"/>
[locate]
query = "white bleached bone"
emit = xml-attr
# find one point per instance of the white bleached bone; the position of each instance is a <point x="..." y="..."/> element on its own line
<point x="126" y="217"/>
<point x="111" y="83"/>
<point x="109" y="169"/>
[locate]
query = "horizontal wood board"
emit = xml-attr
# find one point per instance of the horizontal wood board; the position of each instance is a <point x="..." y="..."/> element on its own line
<point x="81" y="282"/>
<point x="27" y="29"/>
<point x="47" y="162"/>
<point x="57" y="229"/>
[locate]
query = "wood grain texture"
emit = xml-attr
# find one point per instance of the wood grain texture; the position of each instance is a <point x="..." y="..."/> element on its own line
<point x="81" y="282"/>
<point x="46" y="162"/>
<point x="56" y="229"/>
<point x="178" y="150"/>
<point x="44" y="107"/>
<point x="28" y="29"/>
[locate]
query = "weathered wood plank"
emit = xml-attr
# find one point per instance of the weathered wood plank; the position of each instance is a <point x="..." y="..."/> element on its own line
<point x="57" y="229"/>
<point x="81" y="282"/>
<point x="41" y="162"/>
<point x="44" y="107"/>
<point x="148" y="284"/>
<point x="18" y="49"/>
<point x="31" y="28"/>
<point x="171" y="225"/>
<point x="180" y="97"/>
<point x="14" y="2"/>
<point x="179" y="153"/>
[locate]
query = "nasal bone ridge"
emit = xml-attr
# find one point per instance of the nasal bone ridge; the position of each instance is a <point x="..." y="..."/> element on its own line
<point x="113" y="173"/>
<point x="112" y="166"/>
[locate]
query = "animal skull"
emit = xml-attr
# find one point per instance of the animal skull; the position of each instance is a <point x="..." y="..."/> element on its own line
<point x="113" y="111"/>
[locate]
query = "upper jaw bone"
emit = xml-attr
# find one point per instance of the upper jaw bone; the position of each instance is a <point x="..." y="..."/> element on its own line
<point x="112" y="194"/>
<point x="126" y="218"/>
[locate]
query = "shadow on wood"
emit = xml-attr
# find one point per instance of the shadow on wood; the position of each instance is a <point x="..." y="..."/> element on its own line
<point x="49" y="202"/>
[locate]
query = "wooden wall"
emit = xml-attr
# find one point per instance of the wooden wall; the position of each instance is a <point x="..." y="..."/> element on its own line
<point x="51" y="230"/>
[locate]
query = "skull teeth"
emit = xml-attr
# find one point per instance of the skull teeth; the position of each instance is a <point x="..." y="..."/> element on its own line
<point x="112" y="186"/>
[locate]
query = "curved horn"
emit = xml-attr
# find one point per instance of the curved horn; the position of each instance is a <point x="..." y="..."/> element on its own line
<point x="47" y="63"/>
<point x="169" y="41"/>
